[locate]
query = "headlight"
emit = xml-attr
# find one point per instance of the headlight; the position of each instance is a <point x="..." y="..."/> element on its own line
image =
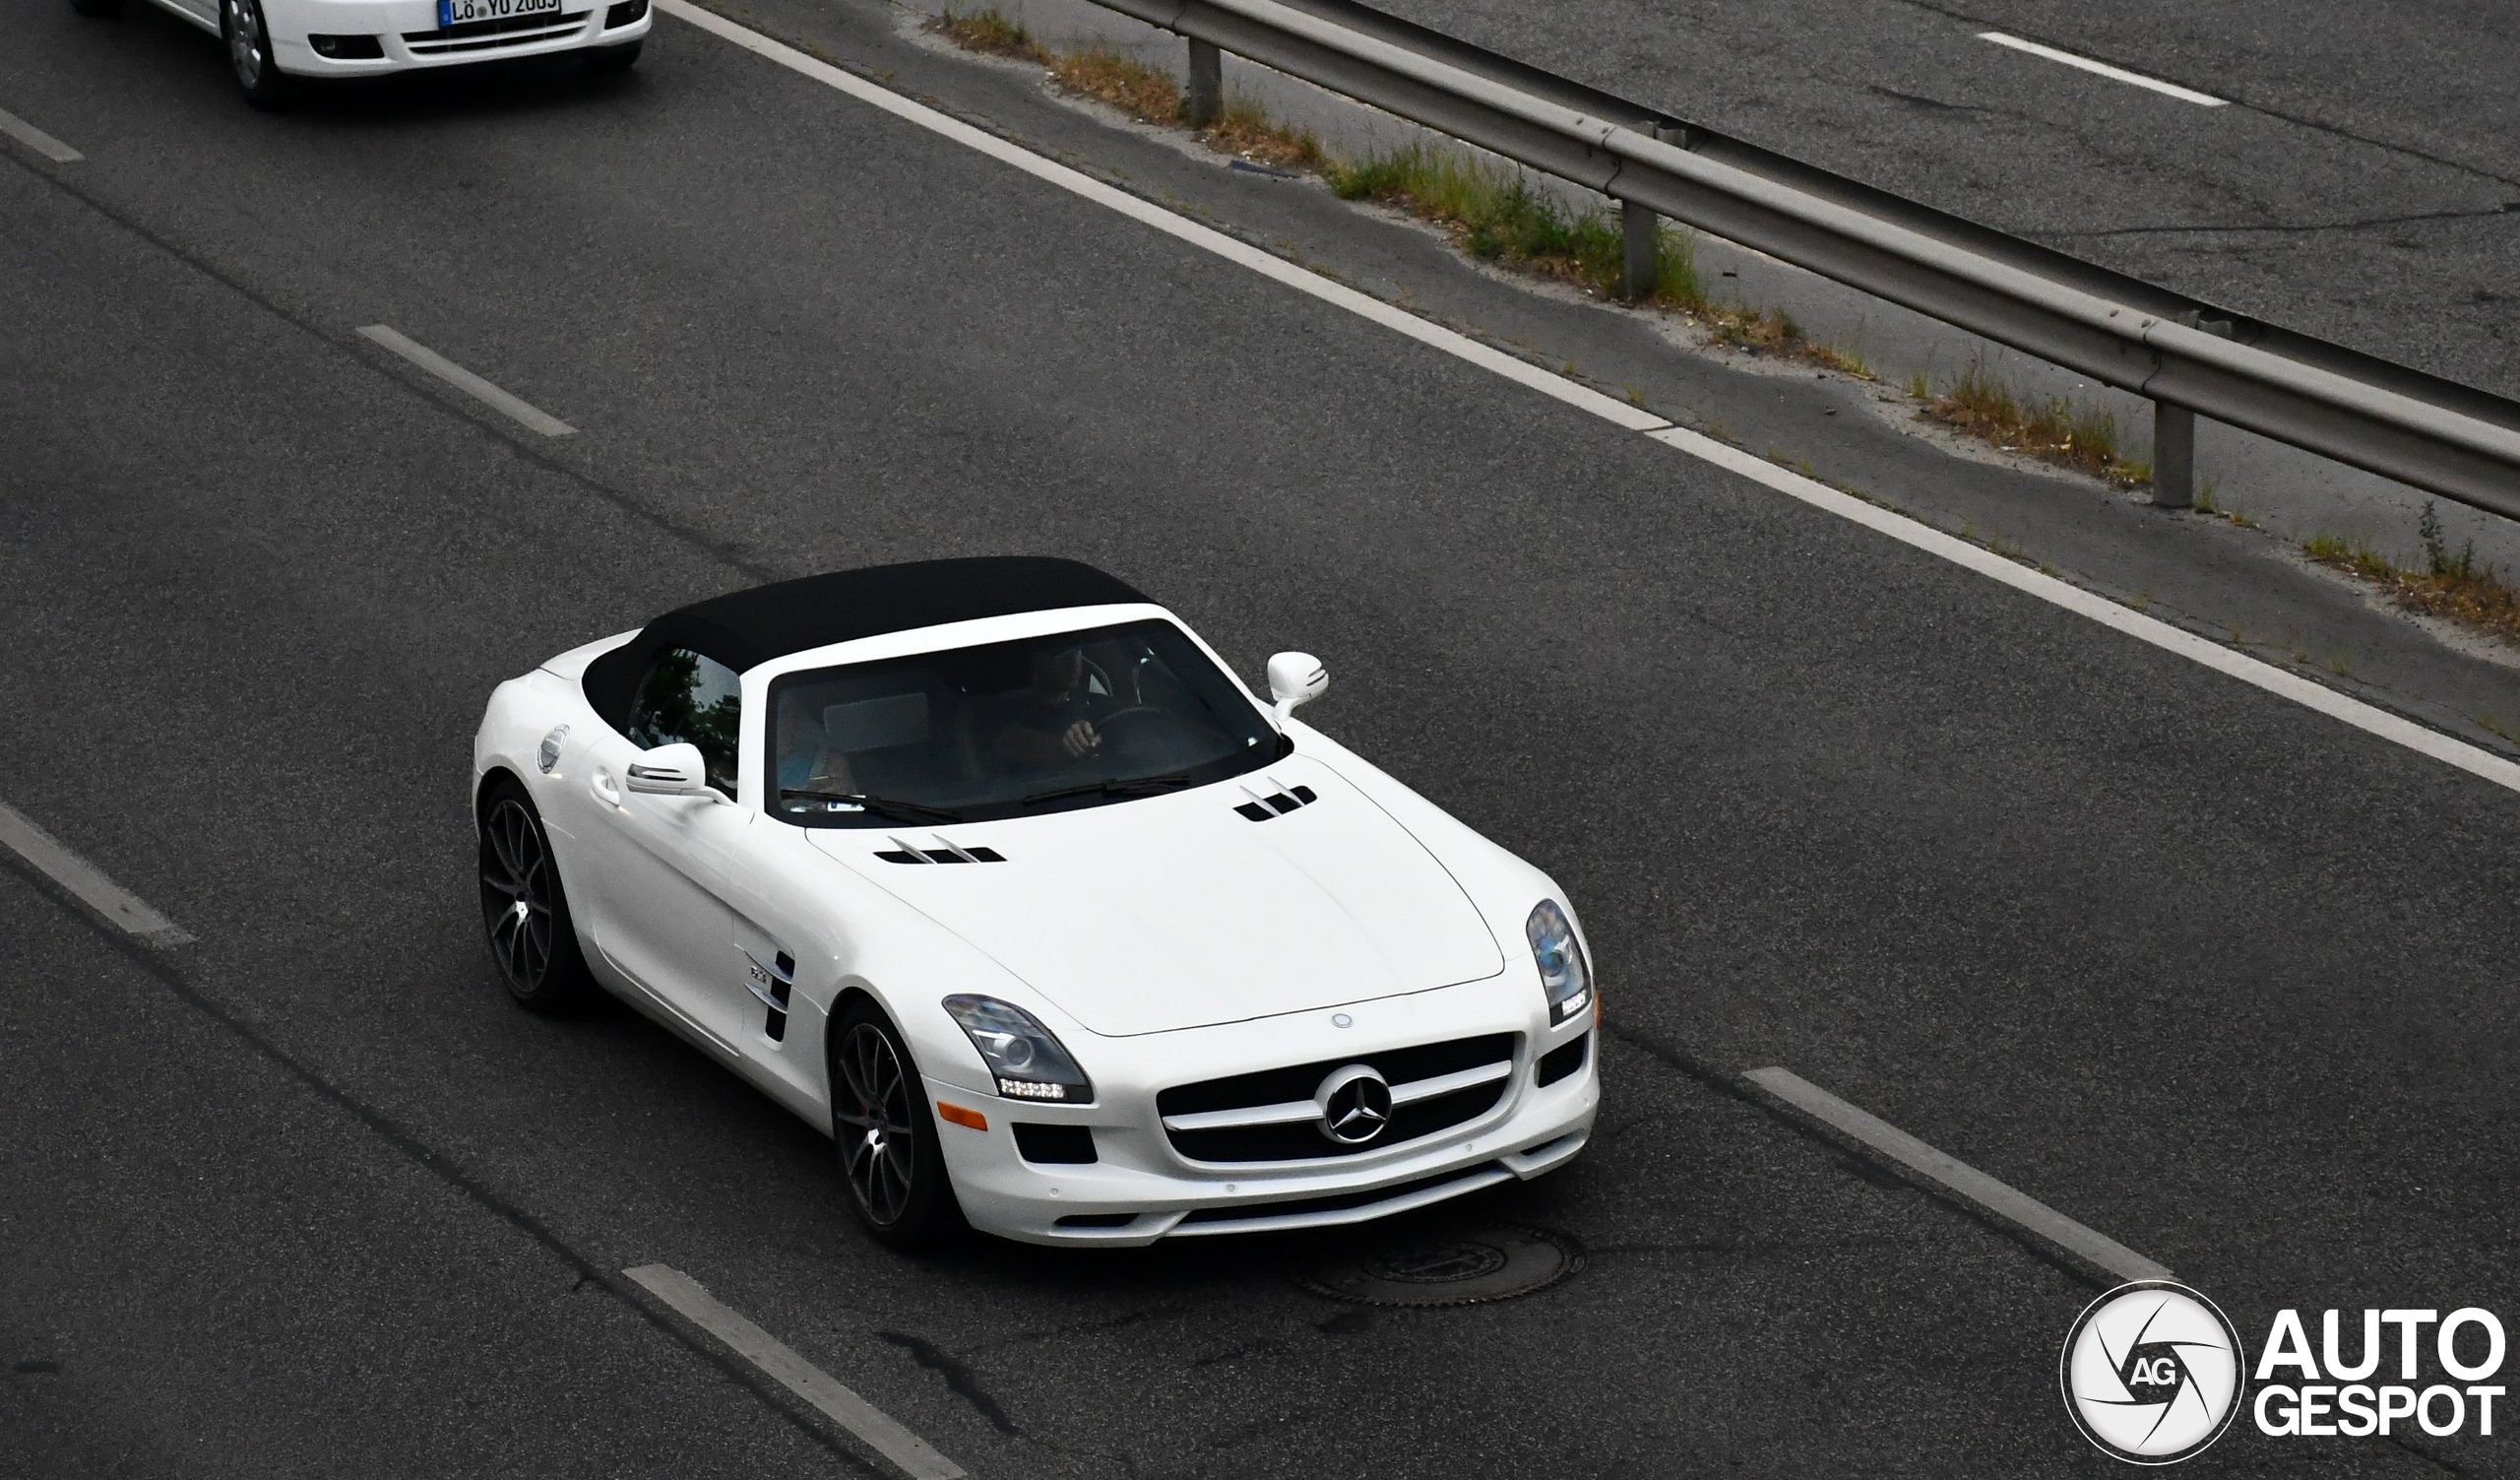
<point x="1026" y="1059"/>
<point x="1560" y="958"/>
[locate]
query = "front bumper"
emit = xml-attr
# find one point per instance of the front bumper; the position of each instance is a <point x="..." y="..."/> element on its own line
<point x="407" y="32"/>
<point x="1140" y="1190"/>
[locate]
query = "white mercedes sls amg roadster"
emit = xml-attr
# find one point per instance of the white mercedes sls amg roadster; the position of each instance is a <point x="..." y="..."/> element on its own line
<point x="995" y="872"/>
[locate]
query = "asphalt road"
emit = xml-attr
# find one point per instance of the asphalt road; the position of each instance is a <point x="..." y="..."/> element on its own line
<point x="2362" y="185"/>
<point x="2203" y="969"/>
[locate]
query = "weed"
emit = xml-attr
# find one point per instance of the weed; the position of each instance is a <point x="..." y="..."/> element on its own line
<point x="1496" y="216"/>
<point x="2054" y="431"/>
<point x="2205" y="497"/>
<point x="992" y="32"/>
<point x="1919" y="387"/>
<point x="1119" y="79"/>
<point x="2460" y="590"/>
<point x="1845" y="362"/>
<point x="1247" y="131"/>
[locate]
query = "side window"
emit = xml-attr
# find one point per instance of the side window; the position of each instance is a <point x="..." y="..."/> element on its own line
<point x="687" y="697"/>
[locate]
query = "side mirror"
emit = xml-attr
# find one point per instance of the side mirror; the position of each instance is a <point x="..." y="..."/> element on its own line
<point x="1295" y="678"/>
<point x="675" y="770"/>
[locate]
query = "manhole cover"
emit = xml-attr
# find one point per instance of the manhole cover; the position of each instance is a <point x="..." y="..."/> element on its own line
<point x="1458" y="1268"/>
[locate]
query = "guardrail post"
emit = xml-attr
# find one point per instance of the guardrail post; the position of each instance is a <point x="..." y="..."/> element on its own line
<point x="2174" y="456"/>
<point x="1206" y="100"/>
<point x="1643" y="268"/>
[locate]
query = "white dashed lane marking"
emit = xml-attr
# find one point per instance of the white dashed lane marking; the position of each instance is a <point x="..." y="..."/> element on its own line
<point x="468" y="383"/>
<point x="916" y="1456"/>
<point x="37" y="140"/>
<point x="2113" y="74"/>
<point x="1957" y="1178"/>
<point x="53" y="859"/>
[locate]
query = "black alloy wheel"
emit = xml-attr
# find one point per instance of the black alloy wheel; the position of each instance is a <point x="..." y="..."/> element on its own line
<point x="249" y="53"/>
<point x="885" y="1136"/>
<point x="522" y="910"/>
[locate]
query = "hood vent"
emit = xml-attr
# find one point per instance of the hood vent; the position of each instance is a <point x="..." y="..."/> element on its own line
<point x="1284" y="800"/>
<point x="942" y="853"/>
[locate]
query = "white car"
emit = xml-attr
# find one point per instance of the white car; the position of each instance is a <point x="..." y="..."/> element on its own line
<point x="993" y="871"/>
<point x="271" y="43"/>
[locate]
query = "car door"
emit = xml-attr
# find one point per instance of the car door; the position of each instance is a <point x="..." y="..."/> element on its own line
<point x="659" y="911"/>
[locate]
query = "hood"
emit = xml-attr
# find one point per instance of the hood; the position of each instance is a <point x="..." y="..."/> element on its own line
<point x="1178" y="912"/>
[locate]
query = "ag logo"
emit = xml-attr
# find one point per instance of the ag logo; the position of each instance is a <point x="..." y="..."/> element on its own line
<point x="2151" y="1373"/>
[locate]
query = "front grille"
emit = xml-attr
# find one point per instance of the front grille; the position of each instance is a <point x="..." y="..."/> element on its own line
<point x="483" y="35"/>
<point x="1303" y="1141"/>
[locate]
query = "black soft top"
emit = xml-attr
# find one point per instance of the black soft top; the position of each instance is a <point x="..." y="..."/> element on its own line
<point x="743" y="629"/>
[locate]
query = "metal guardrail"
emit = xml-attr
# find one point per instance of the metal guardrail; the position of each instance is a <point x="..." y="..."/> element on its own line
<point x="2189" y="358"/>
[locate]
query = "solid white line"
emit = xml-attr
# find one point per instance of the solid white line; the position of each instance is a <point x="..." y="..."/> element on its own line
<point x="37" y="140"/>
<point x="842" y="1406"/>
<point x="468" y="383"/>
<point x="2109" y="613"/>
<point x="54" y="860"/>
<point x="2118" y="74"/>
<point x="1957" y="1178"/>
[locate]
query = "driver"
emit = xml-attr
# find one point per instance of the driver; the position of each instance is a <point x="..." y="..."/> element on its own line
<point x="1048" y="724"/>
<point x="806" y="763"/>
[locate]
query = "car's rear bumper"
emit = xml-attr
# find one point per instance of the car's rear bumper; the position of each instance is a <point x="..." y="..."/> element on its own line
<point x="408" y="33"/>
<point x="1536" y="1129"/>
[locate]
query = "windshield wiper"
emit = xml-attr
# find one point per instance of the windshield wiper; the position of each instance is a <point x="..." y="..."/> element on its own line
<point x="890" y="806"/>
<point x="1132" y="786"/>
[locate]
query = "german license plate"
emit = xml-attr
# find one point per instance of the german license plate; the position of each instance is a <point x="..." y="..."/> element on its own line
<point x="459" y="12"/>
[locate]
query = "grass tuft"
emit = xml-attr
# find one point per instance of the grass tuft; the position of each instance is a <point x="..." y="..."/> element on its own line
<point x="1246" y="130"/>
<point x="2459" y="590"/>
<point x="1496" y="216"/>
<point x="2054" y="431"/>
<point x="1841" y="360"/>
<point x="992" y="32"/>
<point x="1119" y="79"/>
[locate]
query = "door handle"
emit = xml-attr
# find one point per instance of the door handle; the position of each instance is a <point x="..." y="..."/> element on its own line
<point x="605" y="789"/>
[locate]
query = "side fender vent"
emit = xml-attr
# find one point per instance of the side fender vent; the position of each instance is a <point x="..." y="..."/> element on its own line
<point x="1278" y="802"/>
<point x="942" y="852"/>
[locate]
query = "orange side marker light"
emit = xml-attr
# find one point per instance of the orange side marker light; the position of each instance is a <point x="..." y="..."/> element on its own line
<point x="961" y="1117"/>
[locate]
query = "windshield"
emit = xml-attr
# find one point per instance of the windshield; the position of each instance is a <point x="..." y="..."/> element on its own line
<point x="1013" y="729"/>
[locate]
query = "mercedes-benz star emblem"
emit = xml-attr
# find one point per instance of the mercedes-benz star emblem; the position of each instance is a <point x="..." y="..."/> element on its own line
<point x="1355" y="1104"/>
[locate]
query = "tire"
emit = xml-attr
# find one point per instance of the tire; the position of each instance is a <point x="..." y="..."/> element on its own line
<point x="611" y="59"/>
<point x="886" y="1136"/>
<point x="96" y="7"/>
<point x="524" y="912"/>
<point x="249" y="54"/>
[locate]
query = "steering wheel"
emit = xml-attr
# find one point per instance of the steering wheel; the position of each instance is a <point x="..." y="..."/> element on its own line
<point x="1135" y="714"/>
